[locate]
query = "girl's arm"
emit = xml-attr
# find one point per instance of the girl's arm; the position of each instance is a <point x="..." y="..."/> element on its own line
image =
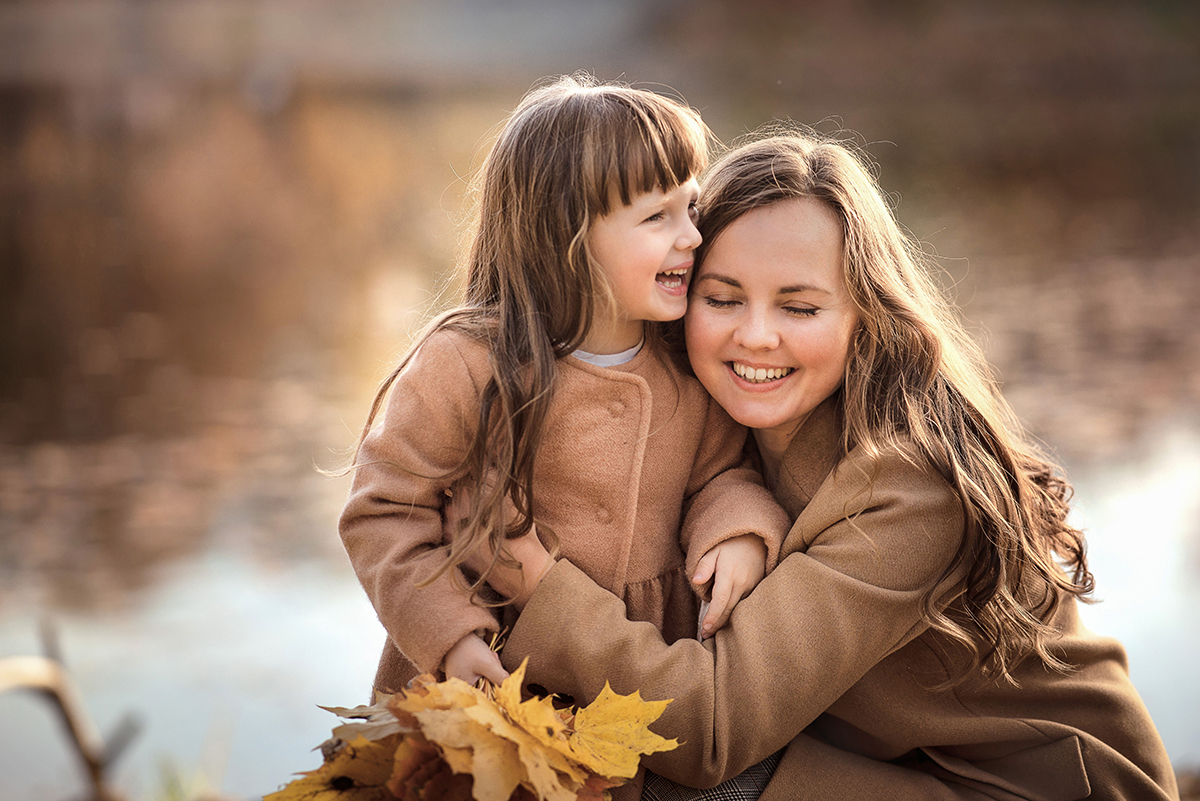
<point x="732" y="525"/>
<point x="846" y="594"/>
<point x="726" y="498"/>
<point x="392" y="522"/>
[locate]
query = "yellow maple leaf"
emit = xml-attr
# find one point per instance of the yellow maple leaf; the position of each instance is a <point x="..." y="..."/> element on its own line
<point x="358" y="772"/>
<point x="454" y="715"/>
<point x="493" y="760"/>
<point x="612" y="733"/>
<point x="552" y="774"/>
<point x="537" y="715"/>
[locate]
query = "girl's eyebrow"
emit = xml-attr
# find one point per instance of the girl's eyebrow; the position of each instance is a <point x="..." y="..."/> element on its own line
<point x="783" y="290"/>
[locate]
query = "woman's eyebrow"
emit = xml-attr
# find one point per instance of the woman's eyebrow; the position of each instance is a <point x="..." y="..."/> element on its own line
<point x="784" y="290"/>
<point x="798" y="288"/>
<point x="724" y="279"/>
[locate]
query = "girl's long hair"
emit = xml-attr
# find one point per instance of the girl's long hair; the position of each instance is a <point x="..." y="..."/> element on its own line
<point x="915" y="375"/>
<point x="571" y="150"/>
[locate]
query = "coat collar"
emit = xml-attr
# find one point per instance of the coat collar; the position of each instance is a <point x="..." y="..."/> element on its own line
<point x="811" y="456"/>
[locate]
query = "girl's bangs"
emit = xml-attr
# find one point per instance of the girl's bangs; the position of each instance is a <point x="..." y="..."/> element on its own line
<point x="650" y="148"/>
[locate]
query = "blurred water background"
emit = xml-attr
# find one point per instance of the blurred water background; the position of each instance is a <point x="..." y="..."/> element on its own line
<point x="220" y="221"/>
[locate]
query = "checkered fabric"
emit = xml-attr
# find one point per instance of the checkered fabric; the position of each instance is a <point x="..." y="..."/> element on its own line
<point x="746" y="786"/>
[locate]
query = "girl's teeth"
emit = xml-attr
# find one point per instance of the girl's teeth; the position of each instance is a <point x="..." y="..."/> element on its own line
<point x="672" y="278"/>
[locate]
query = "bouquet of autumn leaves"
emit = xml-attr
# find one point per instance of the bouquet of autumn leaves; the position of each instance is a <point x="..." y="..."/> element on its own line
<point x="454" y="741"/>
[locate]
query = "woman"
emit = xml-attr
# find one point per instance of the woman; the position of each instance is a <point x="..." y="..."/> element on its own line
<point x="920" y="637"/>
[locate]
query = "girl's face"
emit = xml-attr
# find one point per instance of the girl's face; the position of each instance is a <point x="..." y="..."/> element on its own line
<point x="770" y="321"/>
<point x="645" y="250"/>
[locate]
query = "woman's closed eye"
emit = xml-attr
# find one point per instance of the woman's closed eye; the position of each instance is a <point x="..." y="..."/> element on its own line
<point x="801" y="311"/>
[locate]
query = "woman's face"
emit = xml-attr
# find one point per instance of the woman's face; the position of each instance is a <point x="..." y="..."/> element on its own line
<point x="769" y="320"/>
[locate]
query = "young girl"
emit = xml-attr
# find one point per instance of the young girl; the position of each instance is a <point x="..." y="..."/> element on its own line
<point x="550" y="391"/>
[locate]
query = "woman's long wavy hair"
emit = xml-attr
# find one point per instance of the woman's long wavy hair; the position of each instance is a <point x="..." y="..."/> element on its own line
<point x="571" y="150"/>
<point x="915" y="375"/>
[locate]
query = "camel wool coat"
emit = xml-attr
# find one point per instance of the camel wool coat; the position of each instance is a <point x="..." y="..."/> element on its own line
<point x="639" y="473"/>
<point x="831" y="659"/>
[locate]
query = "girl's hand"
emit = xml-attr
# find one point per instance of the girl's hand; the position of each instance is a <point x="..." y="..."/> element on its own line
<point x="516" y="584"/>
<point x="735" y="567"/>
<point x="470" y="659"/>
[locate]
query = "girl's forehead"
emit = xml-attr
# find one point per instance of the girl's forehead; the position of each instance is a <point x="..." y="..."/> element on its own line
<point x="689" y="189"/>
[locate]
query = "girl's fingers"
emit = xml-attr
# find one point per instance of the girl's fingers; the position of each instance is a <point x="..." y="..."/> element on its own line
<point x="720" y="606"/>
<point x="705" y="568"/>
<point x="494" y="671"/>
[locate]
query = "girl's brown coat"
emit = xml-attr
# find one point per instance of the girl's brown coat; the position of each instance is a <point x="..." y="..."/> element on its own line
<point x="829" y="657"/>
<point x="629" y="454"/>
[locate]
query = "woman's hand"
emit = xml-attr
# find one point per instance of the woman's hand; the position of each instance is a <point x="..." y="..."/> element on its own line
<point x="470" y="659"/>
<point x="735" y="567"/>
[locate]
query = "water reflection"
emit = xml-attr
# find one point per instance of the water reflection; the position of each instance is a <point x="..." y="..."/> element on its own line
<point x="1142" y="520"/>
<point x="223" y="661"/>
<point x="89" y="522"/>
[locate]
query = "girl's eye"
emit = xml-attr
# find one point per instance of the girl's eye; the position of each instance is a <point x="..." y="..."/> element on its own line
<point x="693" y="211"/>
<point x="800" y="311"/>
<point x="655" y="217"/>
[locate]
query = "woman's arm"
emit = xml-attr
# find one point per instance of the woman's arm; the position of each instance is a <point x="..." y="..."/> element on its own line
<point x="848" y="592"/>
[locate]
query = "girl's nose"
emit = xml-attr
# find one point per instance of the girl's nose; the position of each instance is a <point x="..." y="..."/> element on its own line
<point x="755" y="332"/>
<point x="689" y="237"/>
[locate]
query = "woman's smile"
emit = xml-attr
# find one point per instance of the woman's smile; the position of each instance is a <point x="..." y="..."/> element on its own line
<point x="760" y="375"/>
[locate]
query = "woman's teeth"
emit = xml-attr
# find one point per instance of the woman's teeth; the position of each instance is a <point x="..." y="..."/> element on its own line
<point x="671" y="278"/>
<point x="758" y="375"/>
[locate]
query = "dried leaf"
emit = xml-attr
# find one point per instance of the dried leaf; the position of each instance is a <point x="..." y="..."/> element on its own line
<point x="359" y="772"/>
<point x="494" y="762"/>
<point x="594" y="788"/>
<point x="537" y="715"/>
<point x="552" y="774"/>
<point x="378" y="721"/>
<point x="612" y="734"/>
<point x="504" y="754"/>
<point x="421" y="773"/>
<point x="449" y="741"/>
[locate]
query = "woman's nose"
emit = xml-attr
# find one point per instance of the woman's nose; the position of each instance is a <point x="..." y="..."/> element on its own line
<point x="755" y="332"/>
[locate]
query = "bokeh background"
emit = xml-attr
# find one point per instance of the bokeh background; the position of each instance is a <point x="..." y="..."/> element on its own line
<point x="220" y="221"/>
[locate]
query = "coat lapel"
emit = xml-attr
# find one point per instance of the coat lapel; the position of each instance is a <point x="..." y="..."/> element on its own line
<point x="811" y="456"/>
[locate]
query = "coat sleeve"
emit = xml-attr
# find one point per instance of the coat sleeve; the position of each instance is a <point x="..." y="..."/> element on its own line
<point x="392" y="521"/>
<point x="846" y="594"/>
<point x="726" y="496"/>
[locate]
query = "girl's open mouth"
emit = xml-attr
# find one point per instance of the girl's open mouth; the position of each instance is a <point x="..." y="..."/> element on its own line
<point x="673" y="279"/>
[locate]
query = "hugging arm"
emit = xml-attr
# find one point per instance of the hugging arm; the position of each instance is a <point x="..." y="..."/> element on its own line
<point x="847" y="593"/>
